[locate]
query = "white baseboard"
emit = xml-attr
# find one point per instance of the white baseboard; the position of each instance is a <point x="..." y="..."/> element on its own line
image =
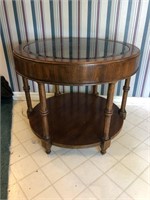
<point x="20" y="96"/>
<point x="35" y="97"/>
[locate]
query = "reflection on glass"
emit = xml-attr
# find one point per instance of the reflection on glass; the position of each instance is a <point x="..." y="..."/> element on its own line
<point x="76" y="48"/>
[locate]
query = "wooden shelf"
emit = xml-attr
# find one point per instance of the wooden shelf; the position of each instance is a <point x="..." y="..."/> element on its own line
<point x="76" y="120"/>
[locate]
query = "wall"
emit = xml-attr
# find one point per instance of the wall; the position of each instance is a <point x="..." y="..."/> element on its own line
<point x="3" y="66"/>
<point x="122" y="20"/>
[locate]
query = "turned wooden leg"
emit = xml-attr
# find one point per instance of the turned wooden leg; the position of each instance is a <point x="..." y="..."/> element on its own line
<point x="105" y="145"/>
<point x="108" y="113"/>
<point x="44" y="114"/>
<point x="126" y="88"/>
<point x="27" y="94"/>
<point x="57" y="92"/>
<point x="95" y="92"/>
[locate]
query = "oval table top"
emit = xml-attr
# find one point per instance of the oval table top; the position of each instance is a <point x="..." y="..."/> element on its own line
<point x="76" y="61"/>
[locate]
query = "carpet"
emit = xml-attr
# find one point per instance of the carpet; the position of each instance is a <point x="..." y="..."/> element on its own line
<point x="6" y="122"/>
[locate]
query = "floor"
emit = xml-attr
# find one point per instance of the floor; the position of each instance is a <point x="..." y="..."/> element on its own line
<point x="123" y="173"/>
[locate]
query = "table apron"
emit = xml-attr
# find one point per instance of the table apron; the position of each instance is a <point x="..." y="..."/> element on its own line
<point x="75" y="74"/>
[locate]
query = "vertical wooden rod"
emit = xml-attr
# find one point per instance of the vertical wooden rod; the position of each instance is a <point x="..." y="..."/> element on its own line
<point x="95" y="88"/>
<point x="44" y="115"/>
<point x="108" y="113"/>
<point x="57" y="92"/>
<point x="126" y="88"/>
<point x="27" y="95"/>
<point x="108" y="110"/>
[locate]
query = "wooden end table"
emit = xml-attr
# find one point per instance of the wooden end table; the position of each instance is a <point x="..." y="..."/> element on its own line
<point x="76" y="119"/>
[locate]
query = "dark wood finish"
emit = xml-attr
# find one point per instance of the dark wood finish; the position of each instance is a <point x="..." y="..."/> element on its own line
<point x="43" y="111"/>
<point x="95" y="92"/>
<point x="27" y="95"/>
<point x="107" y="120"/>
<point x="63" y="71"/>
<point x="57" y="92"/>
<point x="126" y="88"/>
<point x="77" y="74"/>
<point x="76" y="120"/>
<point x="105" y="145"/>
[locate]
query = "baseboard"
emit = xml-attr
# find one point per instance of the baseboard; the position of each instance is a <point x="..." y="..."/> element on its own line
<point x="20" y="96"/>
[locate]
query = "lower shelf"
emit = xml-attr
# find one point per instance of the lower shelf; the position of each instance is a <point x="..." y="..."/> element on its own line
<point x="75" y="120"/>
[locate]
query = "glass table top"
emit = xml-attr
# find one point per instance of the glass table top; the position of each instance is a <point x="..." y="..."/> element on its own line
<point x="75" y="48"/>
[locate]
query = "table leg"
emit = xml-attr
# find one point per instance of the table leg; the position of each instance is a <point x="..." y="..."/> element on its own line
<point x="95" y="92"/>
<point x="27" y="94"/>
<point x="108" y="113"/>
<point x="44" y="115"/>
<point x="57" y="92"/>
<point x="126" y="88"/>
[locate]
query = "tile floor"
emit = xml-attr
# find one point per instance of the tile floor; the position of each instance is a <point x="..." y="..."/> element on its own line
<point x="82" y="174"/>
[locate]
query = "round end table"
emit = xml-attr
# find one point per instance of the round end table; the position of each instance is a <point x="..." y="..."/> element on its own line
<point x="76" y="120"/>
